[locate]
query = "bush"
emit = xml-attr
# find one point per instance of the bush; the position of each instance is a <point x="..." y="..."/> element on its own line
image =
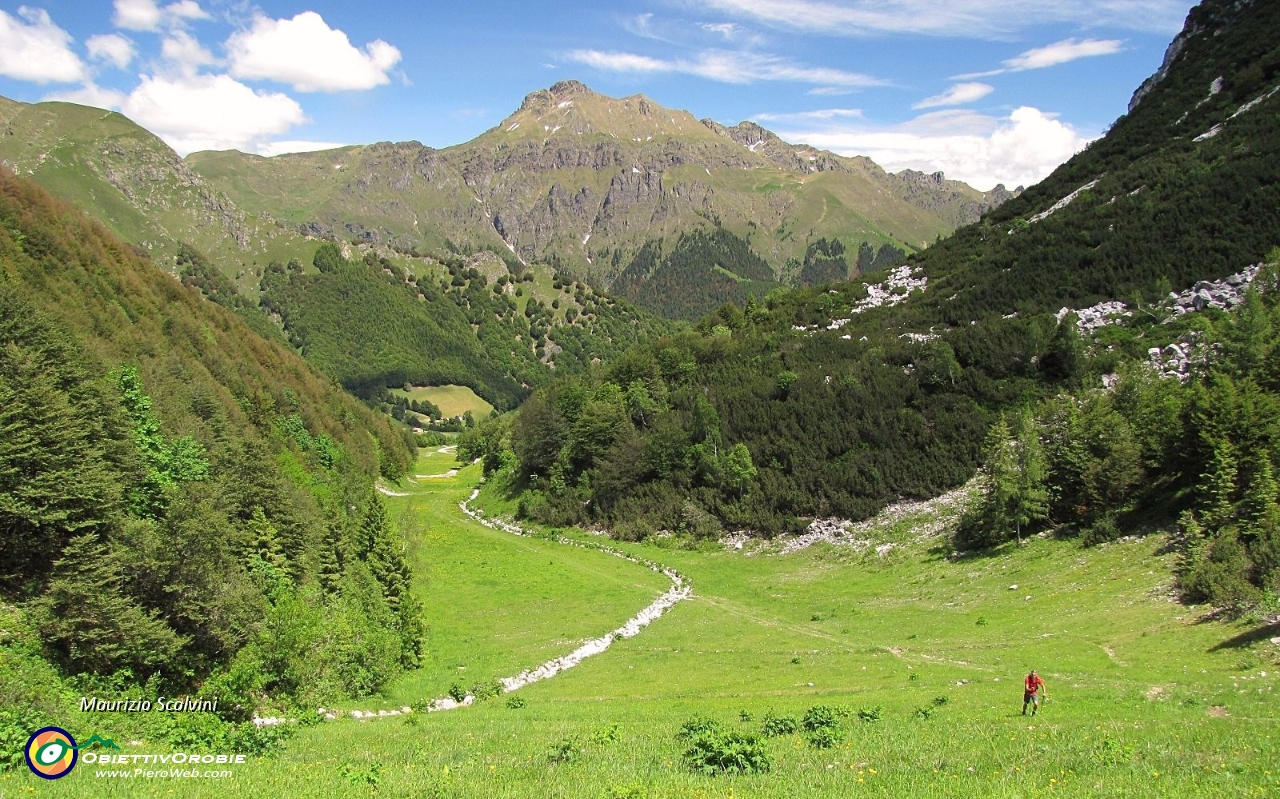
<point x="774" y="725"/>
<point x="824" y="738"/>
<point x="369" y="775"/>
<point x="457" y="693"/>
<point x="699" y="725"/>
<point x="605" y="735"/>
<point x="720" y="751"/>
<point x="516" y="702"/>
<point x="565" y="750"/>
<point x="869" y="715"/>
<point x="1101" y="531"/>
<point x="16" y="725"/>
<point x="820" y="717"/>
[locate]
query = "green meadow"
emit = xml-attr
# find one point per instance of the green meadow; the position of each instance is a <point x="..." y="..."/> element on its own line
<point x="918" y="654"/>
<point x="451" y="400"/>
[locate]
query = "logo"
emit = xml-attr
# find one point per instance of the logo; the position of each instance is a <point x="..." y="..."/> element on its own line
<point x="51" y="752"/>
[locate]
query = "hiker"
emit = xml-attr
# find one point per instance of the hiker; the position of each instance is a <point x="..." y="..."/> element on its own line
<point x="1033" y="691"/>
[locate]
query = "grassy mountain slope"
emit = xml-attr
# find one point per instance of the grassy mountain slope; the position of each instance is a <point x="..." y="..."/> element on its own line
<point x="135" y="185"/>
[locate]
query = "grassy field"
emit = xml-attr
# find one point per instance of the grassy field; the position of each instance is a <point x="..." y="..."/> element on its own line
<point x="1146" y="697"/>
<point x="451" y="400"/>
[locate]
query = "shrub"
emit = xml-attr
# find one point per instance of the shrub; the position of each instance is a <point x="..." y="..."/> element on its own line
<point x="824" y="738"/>
<point x="718" y="751"/>
<point x="457" y="693"/>
<point x="566" y="750"/>
<point x="868" y="715"/>
<point x="486" y="690"/>
<point x="258" y="741"/>
<point x="605" y="735"/>
<point x="774" y="725"/>
<point x="516" y="702"/>
<point x="1104" y="529"/>
<point x="16" y="724"/>
<point x="820" y="717"/>
<point x="698" y="725"/>
<point x="369" y="775"/>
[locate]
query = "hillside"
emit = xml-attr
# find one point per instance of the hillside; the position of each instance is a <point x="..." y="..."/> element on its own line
<point x="834" y="402"/>
<point x="185" y="503"/>
<point x="133" y="183"/>
<point x="372" y="325"/>
<point x="584" y="181"/>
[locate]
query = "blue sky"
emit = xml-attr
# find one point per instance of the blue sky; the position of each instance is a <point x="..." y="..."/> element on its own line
<point x="986" y="90"/>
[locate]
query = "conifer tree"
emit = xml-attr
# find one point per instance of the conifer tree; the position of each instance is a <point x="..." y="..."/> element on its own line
<point x="1218" y="486"/>
<point x="90" y="625"/>
<point x="1031" y="498"/>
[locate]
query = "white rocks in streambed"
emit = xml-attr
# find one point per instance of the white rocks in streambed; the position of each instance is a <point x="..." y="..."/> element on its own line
<point x="271" y="721"/>
<point x="679" y="590"/>
<point x="449" y="703"/>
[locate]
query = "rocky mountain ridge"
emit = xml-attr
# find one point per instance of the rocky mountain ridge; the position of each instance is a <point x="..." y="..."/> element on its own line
<point x="584" y="181"/>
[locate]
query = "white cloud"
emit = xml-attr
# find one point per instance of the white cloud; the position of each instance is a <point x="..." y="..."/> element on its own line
<point x="309" y="55"/>
<point x="185" y="9"/>
<point x="809" y="116"/>
<point x="988" y="19"/>
<point x="980" y="150"/>
<point x="136" y="15"/>
<point x="110" y="48"/>
<point x="1051" y="55"/>
<point x="296" y="146"/>
<point x="725" y="67"/>
<point x="829" y="91"/>
<point x="91" y="94"/>
<point x="959" y="94"/>
<point x="210" y="112"/>
<point x="36" y="49"/>
<point x="1061" y="52"/>
<point x="181" y="50"/>
<point x="732" y="32"/>
<point x="147" y="15"/>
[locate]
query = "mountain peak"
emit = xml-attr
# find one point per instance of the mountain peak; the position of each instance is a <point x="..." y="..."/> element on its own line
<point x="570" y="107"/>
<point x="543" y="99"/>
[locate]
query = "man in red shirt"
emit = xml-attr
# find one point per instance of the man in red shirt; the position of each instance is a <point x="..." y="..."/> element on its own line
<point x="1033" y="690"/>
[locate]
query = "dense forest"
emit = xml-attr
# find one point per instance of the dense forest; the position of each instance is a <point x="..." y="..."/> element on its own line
<point x="370" y="325"/>
<point x="702" y="271"/>
<point x="825" y="261"/>
<point x="183" y="504"/>
<point x="817" y="402"/>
